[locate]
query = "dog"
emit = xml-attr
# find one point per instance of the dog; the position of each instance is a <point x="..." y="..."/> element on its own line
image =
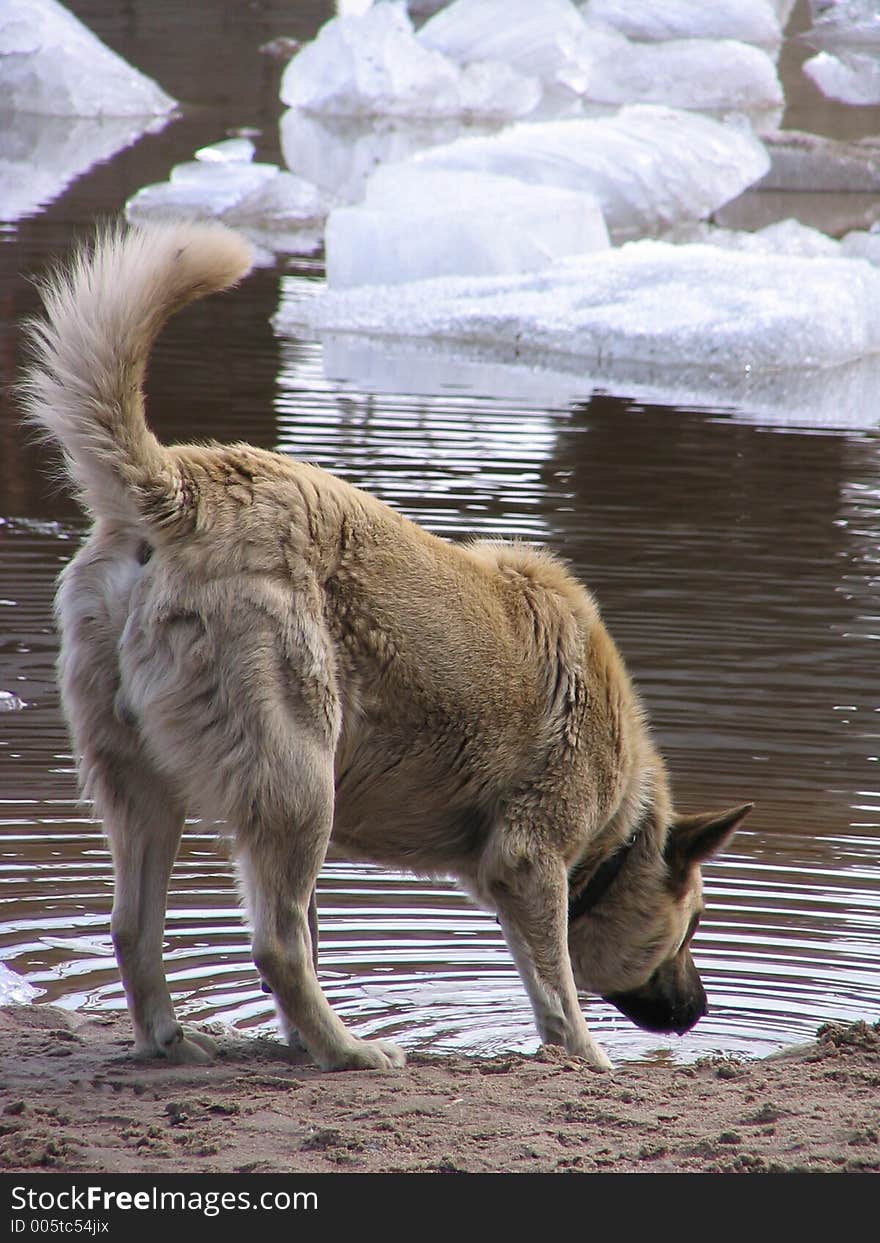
<point x="250" y="638"/>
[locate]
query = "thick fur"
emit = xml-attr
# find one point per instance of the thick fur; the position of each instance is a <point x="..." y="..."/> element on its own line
<point x="249" y="638"/>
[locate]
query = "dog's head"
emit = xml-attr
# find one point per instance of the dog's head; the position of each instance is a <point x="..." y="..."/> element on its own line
<point x="630" y="939"/>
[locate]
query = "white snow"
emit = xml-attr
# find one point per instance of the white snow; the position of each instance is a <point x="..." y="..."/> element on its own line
<point x="860" y="244"/>
<point x="51" y="64"/>
<point x="750" y="21"/>
<point x="785" y="237"/>
<point x="417" y="223"/>
<point x="374" y="64"/>
<point x="647" y="303"/>
<point x="649" y="167"/>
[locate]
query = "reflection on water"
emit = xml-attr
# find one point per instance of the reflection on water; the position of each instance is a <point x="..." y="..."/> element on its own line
<point x="736" y="557"/>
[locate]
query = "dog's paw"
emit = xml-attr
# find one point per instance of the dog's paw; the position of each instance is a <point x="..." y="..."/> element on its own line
<point x="366" y="1055"/>
<point x="595" y="1056"/>
<point x="599" y="1060"/>
<point x="179" y="1046"/>
<point x="192" y="1049"/>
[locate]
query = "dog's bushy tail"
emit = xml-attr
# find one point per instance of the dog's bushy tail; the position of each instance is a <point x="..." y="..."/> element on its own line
<point x="84" y="384"/>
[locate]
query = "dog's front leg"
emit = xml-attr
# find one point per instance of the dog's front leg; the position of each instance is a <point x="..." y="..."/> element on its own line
<point x="278" y="865"/>
<point x="532" y="904"/>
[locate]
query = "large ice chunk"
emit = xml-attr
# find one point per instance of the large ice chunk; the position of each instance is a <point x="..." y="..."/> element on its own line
<point x="750" y="21"/>
<point x="851" y="77"/>
<point x="546" y="40"/>
<point x="418" y="223"/>
<point x="646" y="303"/>
<point x="373" y="65"/>
<point x="708" y="74"/>
<point x="281" y="211"/>
<point x="596" y="61"/>
<point x="51" y="64"/>
<point x="649" y="167"/>
<point x="848" y="65"/>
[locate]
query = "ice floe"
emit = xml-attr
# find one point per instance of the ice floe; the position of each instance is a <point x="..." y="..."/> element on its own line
<point x="703" y="74"/>
<point x="851" y="77"/>
<point x="749" y="21"/>
<point x="15" y="990"/>
<point x="648" y="166"/>
<point x="513" y="58"/>
<point x="51" y="64"/>
<point x="847" y="67"/>
<point x="594" y="60"/>
<point x="548" y="41"/>
<point x="374" y="65"/>
<point x="421" y="222"/>
<point x="67" y="102"/>
<point x="646" y="303"/>
<point x="279" y="210"/>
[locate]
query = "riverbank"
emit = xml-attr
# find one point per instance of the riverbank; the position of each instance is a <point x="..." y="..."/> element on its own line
<point x="73" y="1099"/>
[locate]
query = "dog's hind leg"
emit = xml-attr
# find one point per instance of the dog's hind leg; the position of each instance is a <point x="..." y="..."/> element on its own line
<point x="142" y="816"/>
<point x="530" y="895"/>
<point x="278" y="865"/>
<point x="143" y="822"/>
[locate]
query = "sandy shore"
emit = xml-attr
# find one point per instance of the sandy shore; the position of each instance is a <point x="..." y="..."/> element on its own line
<point x="73" y="1099"/>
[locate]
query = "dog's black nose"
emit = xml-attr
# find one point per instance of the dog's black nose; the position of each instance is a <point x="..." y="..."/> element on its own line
<point x="656" y="1007"/>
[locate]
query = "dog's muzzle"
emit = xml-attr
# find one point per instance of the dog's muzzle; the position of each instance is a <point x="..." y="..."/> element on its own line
<point x="673" y="1000"/>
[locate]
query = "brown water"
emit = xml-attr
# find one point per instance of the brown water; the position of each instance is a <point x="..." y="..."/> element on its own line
<point x="736" y="558"/>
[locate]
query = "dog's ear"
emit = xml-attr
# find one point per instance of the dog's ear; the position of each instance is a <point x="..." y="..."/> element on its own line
<point x="692" y="839"/>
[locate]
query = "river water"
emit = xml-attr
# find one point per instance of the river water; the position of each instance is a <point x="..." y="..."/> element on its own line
<point x="735" y="555"/>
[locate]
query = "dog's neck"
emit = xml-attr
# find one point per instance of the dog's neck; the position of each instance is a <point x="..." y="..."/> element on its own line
<point x="583" y="898"/>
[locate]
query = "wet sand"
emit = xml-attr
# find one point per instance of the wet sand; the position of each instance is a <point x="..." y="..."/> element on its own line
<point x="73" y="1099"/>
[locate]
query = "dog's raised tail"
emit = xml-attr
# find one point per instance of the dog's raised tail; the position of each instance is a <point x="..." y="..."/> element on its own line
<point x="84" y="384"/>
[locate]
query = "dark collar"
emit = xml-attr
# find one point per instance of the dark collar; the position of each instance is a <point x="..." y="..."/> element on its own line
<point x="600" y="882"/>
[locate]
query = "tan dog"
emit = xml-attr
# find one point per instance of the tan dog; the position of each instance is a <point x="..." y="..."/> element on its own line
<point x="249" y="638"/>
